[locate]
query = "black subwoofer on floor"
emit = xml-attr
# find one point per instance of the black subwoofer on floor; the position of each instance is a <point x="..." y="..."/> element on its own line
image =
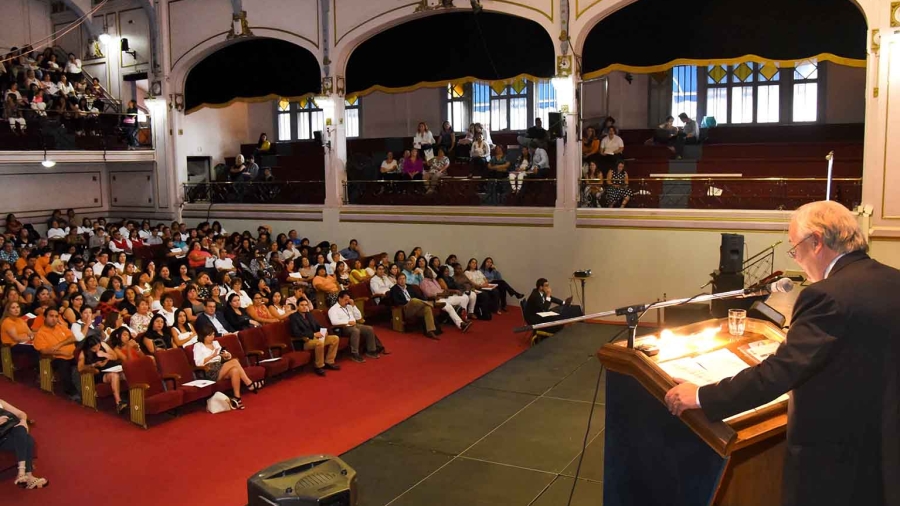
<point x="316" y="480"/>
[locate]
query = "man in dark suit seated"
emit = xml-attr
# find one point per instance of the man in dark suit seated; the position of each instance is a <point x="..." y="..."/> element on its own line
<point x="840" y="365"/>
<point x="215" y="319"/>
<point x="540" y="301"/>
<point x="306" y="329"/>
<point x="402" y="296"/>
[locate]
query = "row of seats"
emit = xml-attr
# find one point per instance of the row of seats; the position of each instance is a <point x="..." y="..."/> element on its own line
<point x="157" y="385"/>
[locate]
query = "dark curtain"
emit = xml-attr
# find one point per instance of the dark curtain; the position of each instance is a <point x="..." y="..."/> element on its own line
<point x="448" y="46"/>
<point x="655" y="32"/>
<point x="252" y="68"/>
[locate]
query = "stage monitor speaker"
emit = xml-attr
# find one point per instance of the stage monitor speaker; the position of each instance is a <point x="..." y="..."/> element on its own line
<point x="316" y="480"/>
<point x="726" y="283"/>
<point x="731" y="254"/>
<point x="555" y="126"/>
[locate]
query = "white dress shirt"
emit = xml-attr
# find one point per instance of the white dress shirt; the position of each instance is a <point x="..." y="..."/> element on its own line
<point x="380" y="285"/>
<point x="201" y="352"/>
<point x="342" y="315"/>
<point x="610" y="146"/>
<point x="224" y="264"/>
<point x="831" y="265"/>
<point x="422" y="138"/>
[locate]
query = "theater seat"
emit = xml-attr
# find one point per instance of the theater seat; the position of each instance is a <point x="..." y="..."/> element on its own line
<point x="323" y="321"/>
<point x="146" y="394"/>
<point x="254" y="343"/>
<point x="365" y="302"/>
<point x="176" y="370"/>
<point x="91" y="391"/>
<point x="278" y="340"/>
<point x="399" y="323"/>
<point x="231" y="343"/>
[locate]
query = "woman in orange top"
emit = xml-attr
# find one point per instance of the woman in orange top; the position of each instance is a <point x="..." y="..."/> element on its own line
<point x="197" y="257"/>
<point x="326" y="284"/>
<point x="259" y="312"/>
<point x="14" y="331"/>
<point x="590" y="145"/>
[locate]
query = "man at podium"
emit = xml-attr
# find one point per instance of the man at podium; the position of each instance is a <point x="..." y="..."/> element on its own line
<point x="841" y="363"/>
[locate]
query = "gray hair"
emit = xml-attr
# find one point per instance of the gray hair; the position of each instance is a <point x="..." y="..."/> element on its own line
<point x="838" y="226"/>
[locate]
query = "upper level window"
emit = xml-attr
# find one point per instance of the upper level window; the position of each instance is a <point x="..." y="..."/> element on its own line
<point x="310" y="118"/>
<point x="684" y="92"/>
<point x="458" y="106"/>
<point x="284" y="120"/>
<point x="545" y="102"/>
<point x="806" y="91"/>
<point x="351" y="116"/>
<point x="743" y="93"/>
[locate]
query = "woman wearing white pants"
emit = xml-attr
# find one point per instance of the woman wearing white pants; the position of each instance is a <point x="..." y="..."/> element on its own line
<point x="519" y="170"/>
<point x="452" y="299"/>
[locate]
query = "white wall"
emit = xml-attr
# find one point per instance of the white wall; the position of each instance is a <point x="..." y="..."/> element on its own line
<point x="23" y="22"/>
<point x="217" y="133"/>
<point x="398" y="114"/>
<point x="845" y="94"/>
<point x="260" y="118"/>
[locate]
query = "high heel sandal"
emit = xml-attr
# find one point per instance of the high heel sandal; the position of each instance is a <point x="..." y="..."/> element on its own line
<point x="31" y="482"/>
<point x="236" y="403"/>
<point x="255" y="386"/>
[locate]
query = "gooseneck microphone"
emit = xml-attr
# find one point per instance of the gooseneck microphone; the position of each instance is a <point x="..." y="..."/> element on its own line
<point x="780" y="285"/>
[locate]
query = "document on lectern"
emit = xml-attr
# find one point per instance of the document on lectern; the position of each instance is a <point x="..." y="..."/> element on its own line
<point x="705" y="369"/>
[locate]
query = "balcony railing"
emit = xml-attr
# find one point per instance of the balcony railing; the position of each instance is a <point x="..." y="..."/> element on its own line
<point x="275" y="192"/>
<point x="452" y="192"/>
<point x="53" y="130"/>
<point x="763" y="193"/>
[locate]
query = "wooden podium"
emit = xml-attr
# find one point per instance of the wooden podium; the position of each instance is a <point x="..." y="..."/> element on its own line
<point x="654" y="458"/>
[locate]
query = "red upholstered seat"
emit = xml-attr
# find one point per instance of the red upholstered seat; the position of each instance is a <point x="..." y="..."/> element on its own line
<point x="177" y="370"/>
<point x="322" y="318"/>
<point x="147" y="396"/>
<point x="278" y="339"/>
<point x="231" y="343"/>
<point x="370" y="309"/>
<point x="254" y="343"/>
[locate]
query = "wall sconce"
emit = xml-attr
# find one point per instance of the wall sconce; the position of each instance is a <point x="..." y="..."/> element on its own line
<point x="156" y="88"/>
<point x="327" y="106"/>
<point x="177" y="101"/>
<point x="340" y="86"/>
<point x="127" y="50"/>
<point x="327" y="86"/>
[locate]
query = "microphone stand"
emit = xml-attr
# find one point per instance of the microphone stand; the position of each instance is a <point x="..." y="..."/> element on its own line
<point x="633" y="313"/>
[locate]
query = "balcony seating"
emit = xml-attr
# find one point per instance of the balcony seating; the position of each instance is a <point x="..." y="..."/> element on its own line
<point x="146" y="394"/>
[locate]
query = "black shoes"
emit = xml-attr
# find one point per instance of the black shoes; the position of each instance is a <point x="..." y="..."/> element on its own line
<point x="356" y="357"/>
<point x="374" y="355"/>
<point x="121" y="406"/>
<point x="520" y="296"/>
<point x="320" y="371"/>
<point x="432" y="335"/>
<point x="333" y="367"/>
<point x="465" y="327"/>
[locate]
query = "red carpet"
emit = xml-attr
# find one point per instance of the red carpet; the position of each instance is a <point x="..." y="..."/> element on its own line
<point x="204" y="459"/>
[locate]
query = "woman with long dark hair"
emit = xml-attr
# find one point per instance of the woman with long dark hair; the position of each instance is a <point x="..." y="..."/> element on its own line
<point x="236" y="316"/>
<point x="157" y="337"/>
<point x="493" y="276"/>
<point x="481" y="283"/>
<point x="98" y="355"/>
<point x="183" y="332"/>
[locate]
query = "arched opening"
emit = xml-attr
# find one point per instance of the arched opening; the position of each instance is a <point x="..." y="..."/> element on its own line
<point x="788" y="80"/>
<point x="290" y="71"/>
<point x="487" y="46"/>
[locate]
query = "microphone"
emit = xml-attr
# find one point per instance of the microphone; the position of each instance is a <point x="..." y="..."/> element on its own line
<point x="781" y="285"/>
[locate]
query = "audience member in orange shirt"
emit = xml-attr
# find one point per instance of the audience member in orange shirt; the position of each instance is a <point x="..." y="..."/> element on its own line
<point x="56" y="340"/>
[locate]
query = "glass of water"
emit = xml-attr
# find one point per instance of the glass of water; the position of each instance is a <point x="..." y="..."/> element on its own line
<point x="737" y="320"/>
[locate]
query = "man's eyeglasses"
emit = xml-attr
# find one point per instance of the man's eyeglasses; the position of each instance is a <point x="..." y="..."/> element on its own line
<point x="792" y="253"/>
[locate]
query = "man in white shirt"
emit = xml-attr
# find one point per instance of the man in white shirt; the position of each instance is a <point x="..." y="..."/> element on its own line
<point x="380" y="284"/>
<point x="611" y="148"/>
<point x="154" y="239"/>
<point x="223" y="263"/>
<point x="345" y="316"/>
<point x="540" y="161"/>
<point x="289" y="251"/>
<point x="100" y="262"/>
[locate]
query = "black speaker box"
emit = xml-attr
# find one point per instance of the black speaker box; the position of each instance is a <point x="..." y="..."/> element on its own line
<point x="555" y="126"/>
<point x="316" y="480"/>
<point x="731" y="254"/>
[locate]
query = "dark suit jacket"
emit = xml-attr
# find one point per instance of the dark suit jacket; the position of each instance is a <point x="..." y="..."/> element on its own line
<point x="537" y="303"/>
<point x="203" y="321"/>
<point x="397" y="298"/>
<point x="841" y="363"/>
<point x="303" y="325"/>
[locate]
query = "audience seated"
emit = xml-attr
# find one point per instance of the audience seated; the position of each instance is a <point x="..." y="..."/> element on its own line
<point x="619" y="192"/>
<point x="454" y="301"/>
<point x="346" y="319"/>
<point x="220" y="365"/>
<point x="313" y="337"/>
<point x="414" y="307"/>
<point x="611" y="149"/>
<point x="690" y="134"/>
<point x="57" y="342"/>
<point x="447" y="138"/>
<point x="423" y="141"/>
<point x="96" y="356"/>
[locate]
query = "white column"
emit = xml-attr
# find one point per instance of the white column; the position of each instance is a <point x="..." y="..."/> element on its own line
<point x="568" y="154"/>
<point x="335" y="151"/>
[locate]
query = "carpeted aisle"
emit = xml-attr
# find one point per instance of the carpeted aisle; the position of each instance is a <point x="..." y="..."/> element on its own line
<point x="204" y="459"/>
